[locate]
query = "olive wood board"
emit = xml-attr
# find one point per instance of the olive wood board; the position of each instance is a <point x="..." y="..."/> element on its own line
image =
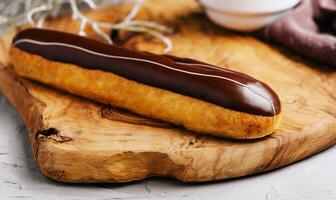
<point x="77" y="140"/>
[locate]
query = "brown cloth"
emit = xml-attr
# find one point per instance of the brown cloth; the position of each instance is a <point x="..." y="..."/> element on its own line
<point x="310" y="29"/>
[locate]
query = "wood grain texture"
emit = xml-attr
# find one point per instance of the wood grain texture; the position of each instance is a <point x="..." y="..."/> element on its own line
<point x="76" y="140"/>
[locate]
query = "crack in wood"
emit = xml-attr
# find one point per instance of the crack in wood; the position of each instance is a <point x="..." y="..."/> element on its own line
<point x="54" y="134"/>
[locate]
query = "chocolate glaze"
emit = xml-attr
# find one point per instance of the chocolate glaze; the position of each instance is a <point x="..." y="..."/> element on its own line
<point x="185" y="76"/>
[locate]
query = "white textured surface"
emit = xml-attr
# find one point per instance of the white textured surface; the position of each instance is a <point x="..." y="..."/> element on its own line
<point x="311" y="179"/>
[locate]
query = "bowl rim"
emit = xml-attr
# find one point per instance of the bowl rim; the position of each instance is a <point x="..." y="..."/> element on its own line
<point x="246" y="14"/>
<point x="250" y="12"/>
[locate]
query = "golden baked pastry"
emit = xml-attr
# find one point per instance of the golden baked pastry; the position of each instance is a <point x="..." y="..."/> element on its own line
<point x="198" y="96"/>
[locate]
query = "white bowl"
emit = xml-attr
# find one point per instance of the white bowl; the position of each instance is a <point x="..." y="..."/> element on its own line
<point x="243" y="23"/>
<point x="249" y="6"/>
<point x="246" y="15"/>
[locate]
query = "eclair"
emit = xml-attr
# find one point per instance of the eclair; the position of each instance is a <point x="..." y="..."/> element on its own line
<point x="200" y="97"/>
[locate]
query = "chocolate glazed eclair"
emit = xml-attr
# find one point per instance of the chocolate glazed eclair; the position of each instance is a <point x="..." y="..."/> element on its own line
<point x="198" y="96"/>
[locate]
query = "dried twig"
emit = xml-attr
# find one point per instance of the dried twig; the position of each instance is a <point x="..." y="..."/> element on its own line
<point x="35" y="12"/>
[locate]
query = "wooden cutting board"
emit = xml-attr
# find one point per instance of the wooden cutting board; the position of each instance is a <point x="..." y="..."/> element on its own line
<point x="76" y="140"/>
